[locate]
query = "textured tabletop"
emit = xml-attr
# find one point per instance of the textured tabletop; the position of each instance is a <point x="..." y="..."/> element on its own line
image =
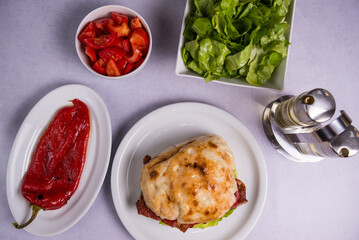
<point x="304" y="200"/>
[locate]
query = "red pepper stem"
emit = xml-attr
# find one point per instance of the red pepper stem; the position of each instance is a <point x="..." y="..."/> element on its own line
<point x="35" y="210"/>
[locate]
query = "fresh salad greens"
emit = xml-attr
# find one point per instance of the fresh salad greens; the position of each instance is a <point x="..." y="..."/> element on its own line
<point x="236" y="38"/>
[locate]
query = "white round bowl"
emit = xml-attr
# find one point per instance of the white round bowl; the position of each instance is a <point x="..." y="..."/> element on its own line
<point x="102" y="12"/>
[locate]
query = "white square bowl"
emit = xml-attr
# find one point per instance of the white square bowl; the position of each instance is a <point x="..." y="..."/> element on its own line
<point x="275" y="82"/>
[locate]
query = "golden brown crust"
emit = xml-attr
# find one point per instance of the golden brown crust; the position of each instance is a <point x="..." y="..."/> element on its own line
<point x="191" y="182"/>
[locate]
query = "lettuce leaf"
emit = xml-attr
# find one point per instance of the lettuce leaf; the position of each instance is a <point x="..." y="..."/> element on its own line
<point x="202" y="26"/>
<point x="203" y="7"/>
<point x="211" y="54"/>
<point x="208" y="224"/>
<point x="236" y="38"/>
<point x="213" y="222"/>
<point x="238" y="60"/>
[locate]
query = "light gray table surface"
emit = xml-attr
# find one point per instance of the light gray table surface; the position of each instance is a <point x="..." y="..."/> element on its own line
<point x="304" y="201"/>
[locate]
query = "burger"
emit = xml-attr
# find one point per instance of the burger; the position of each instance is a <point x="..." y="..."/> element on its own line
<point x="192" y="184"/>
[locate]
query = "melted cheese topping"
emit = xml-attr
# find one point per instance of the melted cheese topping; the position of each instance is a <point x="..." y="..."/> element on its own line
<point x="191" y="182"/>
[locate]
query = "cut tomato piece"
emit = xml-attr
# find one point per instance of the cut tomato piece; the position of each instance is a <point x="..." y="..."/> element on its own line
<point x="100" y="42"/>
<point x="91" y="54"/>
<point x="99" y="66"/>
<point x="102" y="24"/>
<point x="112" y="68"/>
<point x="128" y="68"/>
<point x="117" y="42"/>
<point x="88" y="32"/>
<point x="136" y="23"/>
<point x="136" y="55"/>
<point x="119" y="18"/>
<point x="123" y="43"/>
<point x="114" y="53"/>
<point x="139" y="40"/>
<point x="139" y="62"/>
<point x="121" y="63"/>
<point x="121" y="30"/>
<point x="126" y="45"/>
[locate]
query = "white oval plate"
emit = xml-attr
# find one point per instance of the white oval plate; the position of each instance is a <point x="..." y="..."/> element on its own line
<point x="165" y="127"/>
<point x="52" y="222"/>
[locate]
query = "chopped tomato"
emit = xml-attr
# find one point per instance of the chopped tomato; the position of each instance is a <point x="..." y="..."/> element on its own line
<point x="119" y="18"/>
<point x="126" y="45"/>
<point x="115" y="45"/>
<point x="136" y="23"/>
<point x="114" y="53"/>
<point x="117" y="42"/>
<point x="122" y="63"/>
<point x="112" y="68"/>
<point x="91" y="54"/>
<point x="139" y="40"/>
<point x="123" y="43"/>
<point x="100" y="42"/>
<point x="88" y="32"/>
<point x="101" y="23"/>
<point x="139" y="62"/>
<point x="136" y="55"/>
<point x="99" y="66"/>
<point x="128" y="68"/>
<point x="121" y="30"/>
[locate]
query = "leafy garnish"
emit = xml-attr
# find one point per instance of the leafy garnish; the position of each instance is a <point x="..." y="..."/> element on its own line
<point x="213" y="222"/>
<point x="207" y="224"/>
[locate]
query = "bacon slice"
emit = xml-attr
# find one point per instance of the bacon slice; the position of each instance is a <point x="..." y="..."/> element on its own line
<point x="146" y="159"/>
<point x="240" y="194"/>
<point x="142" y="209"/>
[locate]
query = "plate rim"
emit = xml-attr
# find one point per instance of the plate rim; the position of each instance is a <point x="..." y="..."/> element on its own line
<point x="261" y="164"/>
<point x="90" y="94"/>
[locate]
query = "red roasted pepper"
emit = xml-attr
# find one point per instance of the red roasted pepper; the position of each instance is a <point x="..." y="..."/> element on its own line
<point x="58" y="160"/>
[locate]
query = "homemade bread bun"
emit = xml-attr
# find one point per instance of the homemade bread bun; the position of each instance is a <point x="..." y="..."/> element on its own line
<point x="191" y="182"/>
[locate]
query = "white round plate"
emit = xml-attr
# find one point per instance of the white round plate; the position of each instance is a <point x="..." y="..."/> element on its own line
<point x="53" y="222"/>
<point x="165" y="127"/>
